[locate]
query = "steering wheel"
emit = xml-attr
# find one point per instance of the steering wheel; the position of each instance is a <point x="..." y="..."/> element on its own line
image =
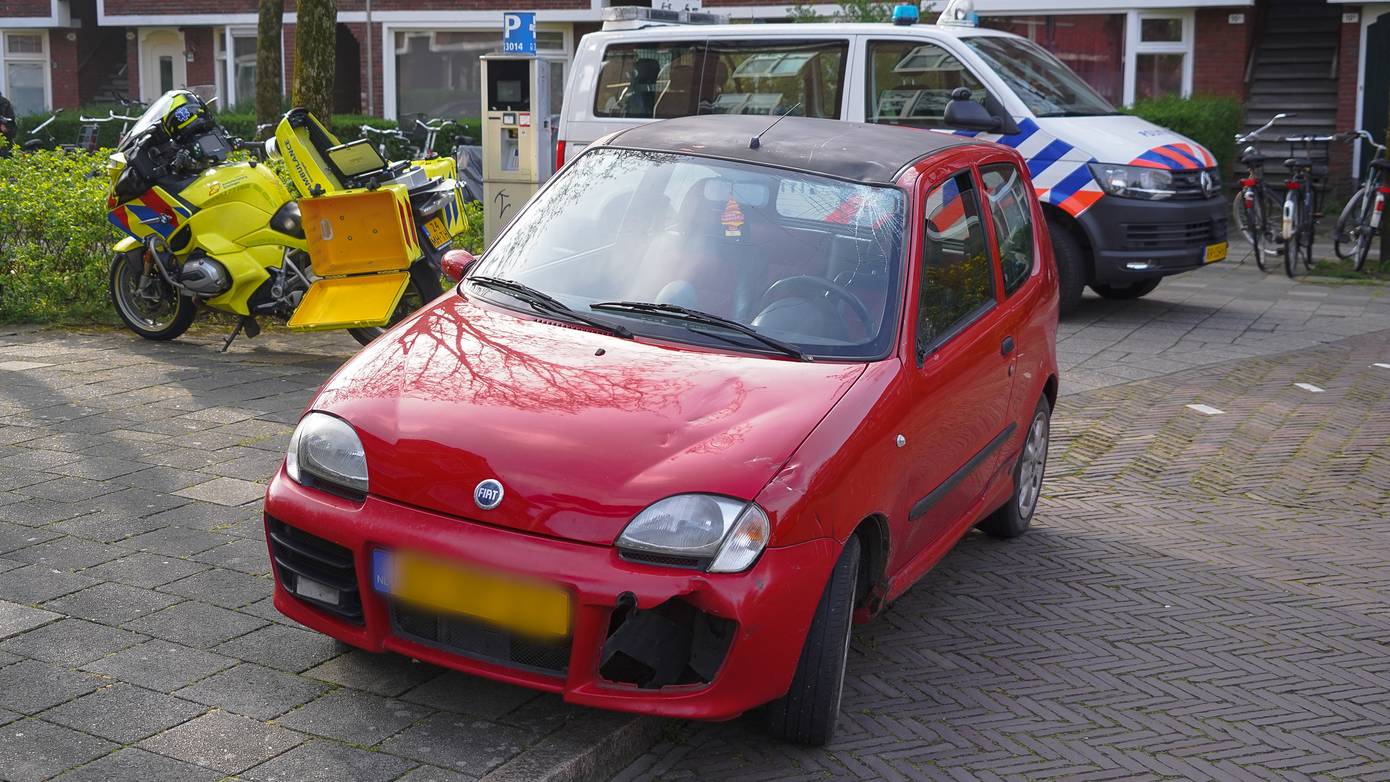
<point x="807" y="285"/>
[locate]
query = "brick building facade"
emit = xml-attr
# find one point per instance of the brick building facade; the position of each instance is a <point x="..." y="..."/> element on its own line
<point x="421" y="55"/>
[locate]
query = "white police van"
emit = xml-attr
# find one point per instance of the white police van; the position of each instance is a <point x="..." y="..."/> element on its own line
<point x="1127" y="202"/>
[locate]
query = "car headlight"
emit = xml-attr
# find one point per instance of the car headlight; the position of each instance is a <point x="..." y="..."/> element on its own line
<point x="725" y="534"/>
<point x="1152" y="184"/>
<point x="325" y="448"/>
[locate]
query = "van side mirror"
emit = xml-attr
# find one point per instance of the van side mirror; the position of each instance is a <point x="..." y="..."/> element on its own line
<point x="455" y="264"/>
<point x="963" y="113"/>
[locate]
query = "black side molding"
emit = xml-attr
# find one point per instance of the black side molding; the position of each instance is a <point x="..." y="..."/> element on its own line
<point x="920" y="508"/>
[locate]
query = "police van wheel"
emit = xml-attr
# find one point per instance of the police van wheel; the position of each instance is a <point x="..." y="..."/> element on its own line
<point x="1135" y="290"/>
<point x="1071" y="267"/>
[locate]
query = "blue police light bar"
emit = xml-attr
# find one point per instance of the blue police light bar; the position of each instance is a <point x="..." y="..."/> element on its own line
<point x="905" y="15"/>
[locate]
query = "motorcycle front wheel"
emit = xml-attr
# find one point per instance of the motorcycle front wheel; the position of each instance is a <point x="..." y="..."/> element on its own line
<point x="145" y="302"/>
<point x="423" y="288"/>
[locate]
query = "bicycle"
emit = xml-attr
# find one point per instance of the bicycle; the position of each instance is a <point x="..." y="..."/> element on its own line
<point x="384" y="135"/>
<point x="1301" y="204"/>
<point x="1255" y="200"/>
<point x="1360" y="219"/>
<point x="87" y="135"/>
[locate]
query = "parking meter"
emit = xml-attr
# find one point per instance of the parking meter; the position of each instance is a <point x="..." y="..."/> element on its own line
<point x="519" y="132"/>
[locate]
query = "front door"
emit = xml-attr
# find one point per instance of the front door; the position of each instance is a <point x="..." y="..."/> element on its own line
<point x="960" y="381"/>
<point x="163" y="65"/>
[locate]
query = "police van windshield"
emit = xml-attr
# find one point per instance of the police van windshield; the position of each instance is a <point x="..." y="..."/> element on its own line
<point x="1046" y="86"/>
<point x="803" y="259"/>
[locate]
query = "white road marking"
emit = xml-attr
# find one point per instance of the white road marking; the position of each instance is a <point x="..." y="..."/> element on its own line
<point x="1382" y="366"/>
<point x="20" y="366"/>
<point x="1207" y="410"/>
<point x="1309" y="387"/>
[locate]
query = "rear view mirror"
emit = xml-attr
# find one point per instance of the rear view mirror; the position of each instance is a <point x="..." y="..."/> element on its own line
<point x="963" y="113"/>
<point x="455" y="264"/>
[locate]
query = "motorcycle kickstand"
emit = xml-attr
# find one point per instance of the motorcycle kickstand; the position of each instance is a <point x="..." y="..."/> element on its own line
<point x="247" y="323"/>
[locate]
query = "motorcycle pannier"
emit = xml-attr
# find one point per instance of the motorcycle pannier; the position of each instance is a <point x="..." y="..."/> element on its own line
<point x="362" y="243"/>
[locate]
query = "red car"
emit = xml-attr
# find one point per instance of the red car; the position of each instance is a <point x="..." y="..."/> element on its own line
<point x="708" y="398"/>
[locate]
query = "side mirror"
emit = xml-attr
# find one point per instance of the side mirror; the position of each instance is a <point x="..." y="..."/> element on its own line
<point x="455" y="264"/>
<point x="963" y="113"/>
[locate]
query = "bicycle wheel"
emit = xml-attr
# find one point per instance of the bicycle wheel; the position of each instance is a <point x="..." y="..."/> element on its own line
<point x="1347" y="233"/>
<point x="1247" y="223"/>
<point x="1295" y="247"/>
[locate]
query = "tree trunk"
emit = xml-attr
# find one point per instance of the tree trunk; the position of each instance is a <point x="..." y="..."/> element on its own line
<point x="315" y="48"/>
<point x="269" y="87"/>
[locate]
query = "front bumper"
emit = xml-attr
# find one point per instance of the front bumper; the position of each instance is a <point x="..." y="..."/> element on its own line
<point x="772" y="603"/>
<point x="1133" y="240"/>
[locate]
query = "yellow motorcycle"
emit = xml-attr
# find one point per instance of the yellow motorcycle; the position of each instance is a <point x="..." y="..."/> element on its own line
<point x="357" y="246"/>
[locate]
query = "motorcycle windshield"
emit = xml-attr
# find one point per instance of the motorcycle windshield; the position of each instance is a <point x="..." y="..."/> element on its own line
<point x="149" y="119"/>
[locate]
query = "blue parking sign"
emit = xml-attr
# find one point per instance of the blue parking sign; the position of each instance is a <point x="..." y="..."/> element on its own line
<point x="519" y="33"/>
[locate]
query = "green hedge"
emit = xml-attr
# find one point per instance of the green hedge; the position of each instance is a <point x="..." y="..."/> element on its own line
<point x="56" y="241"/>
<point x="66" y="127"/>
<point x="1210" y="121"/>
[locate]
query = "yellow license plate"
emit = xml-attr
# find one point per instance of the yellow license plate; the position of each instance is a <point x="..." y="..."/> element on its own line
<point x="438" y="232"/>
<point x="532" y="608"/>
<point x="1216" y="252"/>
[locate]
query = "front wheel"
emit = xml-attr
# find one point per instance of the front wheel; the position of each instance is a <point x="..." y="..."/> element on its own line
<point x="1297" y="255"/>
<point x="808" y="712"/>
<point x="424" y="287"/>
<point x="147" y="304"/>
<point x="1134" y="290"/>
<point x="1352" y="239"/>
<point x="1071" y="267"/>
<point x="1250" y="221"/>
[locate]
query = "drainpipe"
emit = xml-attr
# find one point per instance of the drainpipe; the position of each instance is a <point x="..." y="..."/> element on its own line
<point x="371" y="65"/>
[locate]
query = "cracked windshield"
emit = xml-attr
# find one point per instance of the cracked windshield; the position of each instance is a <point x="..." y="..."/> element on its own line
<point x="806" y="261"/>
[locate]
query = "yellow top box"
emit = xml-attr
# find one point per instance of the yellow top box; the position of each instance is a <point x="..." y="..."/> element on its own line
<point x="360" y="231"/>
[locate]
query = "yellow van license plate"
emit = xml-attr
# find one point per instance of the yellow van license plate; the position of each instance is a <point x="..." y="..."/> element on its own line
<point x="531" y="608"/>
<point x="438" y="232"/>
<point x="1216" y="252"/>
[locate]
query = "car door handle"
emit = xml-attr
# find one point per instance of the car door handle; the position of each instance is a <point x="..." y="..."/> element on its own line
<point x="1007" y="346"/>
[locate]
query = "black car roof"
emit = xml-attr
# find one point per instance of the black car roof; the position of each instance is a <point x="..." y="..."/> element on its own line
<point x="845" y="150"/>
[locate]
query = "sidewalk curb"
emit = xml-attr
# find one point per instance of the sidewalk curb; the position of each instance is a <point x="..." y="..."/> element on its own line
<point x="591" y="748"/>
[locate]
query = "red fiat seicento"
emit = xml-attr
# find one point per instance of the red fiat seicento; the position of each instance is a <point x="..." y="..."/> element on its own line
<point x="717" y="392"/>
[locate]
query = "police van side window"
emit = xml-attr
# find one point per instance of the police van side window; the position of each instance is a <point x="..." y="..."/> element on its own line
<point x="648" y="81"/>
<point x="678" y="79"/>
<point x="910" y="83"/>
<point x="1012" y="214"/>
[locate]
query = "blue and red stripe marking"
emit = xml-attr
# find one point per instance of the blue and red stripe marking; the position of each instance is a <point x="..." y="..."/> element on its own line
<point x="1175" y="157"/>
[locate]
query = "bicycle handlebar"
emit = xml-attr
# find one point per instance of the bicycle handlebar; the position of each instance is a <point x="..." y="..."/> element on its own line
<point x="1364" y="135"/>
<point x="1254" y="134"/>
<point x="430" y="124"/>
<point x="111" y="117"/>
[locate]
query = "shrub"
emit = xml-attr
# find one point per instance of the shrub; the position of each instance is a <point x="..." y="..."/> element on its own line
<point x="1210" y="121"/>
<point x="56" y="242"/>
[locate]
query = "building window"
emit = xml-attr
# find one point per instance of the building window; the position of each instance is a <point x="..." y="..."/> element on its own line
<point x="24" y="75"/>
<point x="439" y="74"/>
<point x="242" y="94"/>
<point x="1162" y="55"/>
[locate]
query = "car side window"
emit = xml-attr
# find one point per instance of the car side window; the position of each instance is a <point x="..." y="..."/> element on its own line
<point x="957" y="273"/>
<point x="910" y="83"/>
<point x="1012" y="213"/>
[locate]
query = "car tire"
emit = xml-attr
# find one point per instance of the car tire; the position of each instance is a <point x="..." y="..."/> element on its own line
<point x="1134" y="290"/>
<point x="1071" y="267"/>
<point x="1013" y="518"/>
<point x="808" y="712"/>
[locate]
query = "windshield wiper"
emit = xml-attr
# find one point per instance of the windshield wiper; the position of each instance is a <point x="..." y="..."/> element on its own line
<point x="543" y="302"/>
<point x="696" y="316"/>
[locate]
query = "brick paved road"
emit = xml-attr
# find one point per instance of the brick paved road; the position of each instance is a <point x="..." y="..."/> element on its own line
<point x="137" y="640"/>
<point x="137" y="636"/>
<point x="1202" y="597"/>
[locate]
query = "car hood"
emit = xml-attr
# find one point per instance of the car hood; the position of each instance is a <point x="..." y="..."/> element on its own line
<point x="583" y="429"/>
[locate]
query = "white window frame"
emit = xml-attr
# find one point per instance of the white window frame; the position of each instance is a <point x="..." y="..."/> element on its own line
<point x="41" y="57"/>
<point x="1136" y="47"/>
<point x="388" y="50"/>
